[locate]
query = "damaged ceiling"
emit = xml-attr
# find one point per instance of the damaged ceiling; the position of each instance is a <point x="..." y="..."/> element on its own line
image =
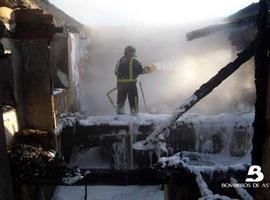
<point x="242" y="21"/>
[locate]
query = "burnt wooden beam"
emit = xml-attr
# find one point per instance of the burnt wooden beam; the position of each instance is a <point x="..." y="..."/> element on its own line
<point x="203" y="32"/>
<point x="244" y="17"/>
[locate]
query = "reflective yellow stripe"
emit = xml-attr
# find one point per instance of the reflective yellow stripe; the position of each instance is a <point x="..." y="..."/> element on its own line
<point x="130" y="69"/>
<point x="126" y="80"/>
<point x="130" y="79"/>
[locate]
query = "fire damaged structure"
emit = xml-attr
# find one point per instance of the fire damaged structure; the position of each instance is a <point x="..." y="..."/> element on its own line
<point x="44" y="53"/>
<point x="42" y="50"/>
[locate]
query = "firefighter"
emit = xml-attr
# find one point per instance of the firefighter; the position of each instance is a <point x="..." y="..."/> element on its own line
<point x="128" y="68"/>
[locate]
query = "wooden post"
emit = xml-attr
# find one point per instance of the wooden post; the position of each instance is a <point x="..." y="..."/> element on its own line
<point x="261" y="137"/>
<point x="261" y="80"/>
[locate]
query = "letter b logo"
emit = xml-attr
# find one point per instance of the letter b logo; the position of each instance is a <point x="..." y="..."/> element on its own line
<point x="255" y="172"/>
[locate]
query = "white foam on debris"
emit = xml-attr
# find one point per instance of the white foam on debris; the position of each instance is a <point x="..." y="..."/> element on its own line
<point x="241" y="191"/>
<point x="70" y="119"/>
<point x="205" y="163"/>
<point x="203" y="187"/>
<point x="202" y="124"/>
<point x="72" y="178"/>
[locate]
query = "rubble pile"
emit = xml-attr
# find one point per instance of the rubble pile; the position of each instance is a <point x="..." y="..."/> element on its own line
<point x="28" y="160"/>
<point x="31" y="162"/>
<point x="206" y="168"/>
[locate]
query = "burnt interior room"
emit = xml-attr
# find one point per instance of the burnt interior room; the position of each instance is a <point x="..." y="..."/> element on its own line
<point x="59" y="140"/>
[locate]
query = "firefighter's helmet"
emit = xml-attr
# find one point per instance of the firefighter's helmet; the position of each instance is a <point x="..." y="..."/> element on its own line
<point x="130" y="51"/>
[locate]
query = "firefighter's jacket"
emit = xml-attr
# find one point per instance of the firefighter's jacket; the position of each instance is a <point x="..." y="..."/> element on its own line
<point x="128" y="69"/>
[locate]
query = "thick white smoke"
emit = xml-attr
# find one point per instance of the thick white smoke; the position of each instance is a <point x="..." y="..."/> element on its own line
<point x="183" y="67"/>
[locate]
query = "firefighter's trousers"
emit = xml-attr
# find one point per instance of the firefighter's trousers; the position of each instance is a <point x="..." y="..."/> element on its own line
<point x="127" y="90"/>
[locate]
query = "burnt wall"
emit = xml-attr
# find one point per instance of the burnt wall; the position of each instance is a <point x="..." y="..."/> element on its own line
<point x="36" y="84"/>
<point x="31" y="84"/>
<point x="66" y="75"/>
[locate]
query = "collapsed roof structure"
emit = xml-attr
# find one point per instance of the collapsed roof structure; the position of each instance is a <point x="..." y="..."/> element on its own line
<point x="242" y="27"/>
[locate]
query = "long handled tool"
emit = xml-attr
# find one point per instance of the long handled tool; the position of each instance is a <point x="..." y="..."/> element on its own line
<point x="110" y="98"/>
<point x="144" y="101"/>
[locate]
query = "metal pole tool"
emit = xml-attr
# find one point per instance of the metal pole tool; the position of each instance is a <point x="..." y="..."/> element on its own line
<point x="144" y="101"/>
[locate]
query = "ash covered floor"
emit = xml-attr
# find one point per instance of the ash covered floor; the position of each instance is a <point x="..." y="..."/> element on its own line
<point x="110" y="193"/>
<point x="84" y="159"/>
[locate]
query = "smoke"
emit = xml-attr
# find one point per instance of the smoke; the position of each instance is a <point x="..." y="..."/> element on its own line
<point x="182" y="67"/>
